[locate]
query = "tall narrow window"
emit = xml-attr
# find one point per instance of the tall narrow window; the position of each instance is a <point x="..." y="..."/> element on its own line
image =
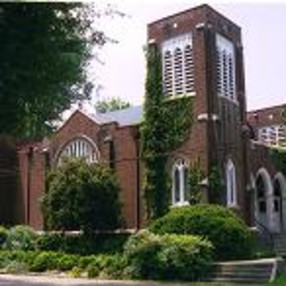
<point x="168" y="73"/>
<point x="178" y="71"/>
<point x="180" y="183"/>
<point x="231" y="184"/>
<point x="225" y="67"/>
<point x="178" y="66"/>
<point x="189" y="69"/>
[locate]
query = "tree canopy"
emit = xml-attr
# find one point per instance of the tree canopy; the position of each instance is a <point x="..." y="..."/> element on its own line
<point x="111" y="104"/>
<point x="82" y="196"/>
<point x="45" y="48"/>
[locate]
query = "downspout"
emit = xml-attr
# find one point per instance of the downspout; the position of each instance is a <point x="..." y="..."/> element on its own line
<point x="29" y="176"/>
<point x="138" y="209"/>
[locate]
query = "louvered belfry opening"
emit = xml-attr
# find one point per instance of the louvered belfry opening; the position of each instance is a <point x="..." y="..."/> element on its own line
<point x="225" y="67"/>
<point x="178" y="66"/>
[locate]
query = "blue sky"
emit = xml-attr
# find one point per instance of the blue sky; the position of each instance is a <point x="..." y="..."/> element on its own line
<point x="264" y="40"/>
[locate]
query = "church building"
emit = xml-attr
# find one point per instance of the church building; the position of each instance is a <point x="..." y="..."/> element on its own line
<point x="202" y="58"/>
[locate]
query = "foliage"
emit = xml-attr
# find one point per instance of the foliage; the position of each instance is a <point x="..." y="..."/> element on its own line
<point x="195" y="177"/>
<point x="183" y="257"/>
<point x="229" y="234"/>
<point x="111" y="104"/>
<point x="165" y="126"/>
<point x="82" y="196"/>
<point x="39" y="261"/>
<point x="278" y="157"/>
<point x="67" y="262"/>
<point x="215" y="185"/>
<point x="45" y="50"/>
<point x="20" y="238"/>
<point x="44" y="261"/>
<point x="106" y="265"/>
<point x="82" y="244"/>
<point x="3" y="235"/>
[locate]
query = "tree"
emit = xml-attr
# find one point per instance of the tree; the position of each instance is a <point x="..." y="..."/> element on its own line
<point x="82" y="196"/>
<point x="45" y="48"/>
<point x="111" y="104"/>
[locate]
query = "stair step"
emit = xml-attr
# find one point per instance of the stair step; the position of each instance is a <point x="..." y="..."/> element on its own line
<point x="255" y="271"/>
<point x="238" y="280"/>
<point x="241" y="274"/>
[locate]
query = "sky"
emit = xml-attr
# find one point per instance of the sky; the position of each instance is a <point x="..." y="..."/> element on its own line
<point x="122" y="72"/>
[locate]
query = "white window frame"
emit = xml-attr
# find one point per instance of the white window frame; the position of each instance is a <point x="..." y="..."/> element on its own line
<point x="226" y="81"/>
<point x="180" y="165"/>
<point x="231" y="190"/>
<point x="79" y="147"/>
<point x="186" y="82"/>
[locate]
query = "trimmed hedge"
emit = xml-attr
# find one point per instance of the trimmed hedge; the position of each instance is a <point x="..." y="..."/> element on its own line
<point x="82" y="244"/>
<point x="171" y="257"/>
<point x="229" y="234"/>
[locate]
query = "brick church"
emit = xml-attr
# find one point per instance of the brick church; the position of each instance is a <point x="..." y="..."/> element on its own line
<point x="202" y="56"/>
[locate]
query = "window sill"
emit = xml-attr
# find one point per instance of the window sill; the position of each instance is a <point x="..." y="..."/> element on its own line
<point x="233" y="206"/>
<point x="175" y="97"/>
<point x="180" y="204"/>
<point x="233" y="100"/>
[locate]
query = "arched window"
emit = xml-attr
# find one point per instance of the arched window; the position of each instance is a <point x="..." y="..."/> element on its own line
<point x="231" y="184"/>
<point x="261" y="194"/>
<point x="180" y="183"/>
<point x="79" y="148"/>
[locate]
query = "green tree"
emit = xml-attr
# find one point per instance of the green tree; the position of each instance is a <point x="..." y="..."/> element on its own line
<point x="45" y="48"/>
<point x="82" y="196"/>
<point x="111" y="104"/>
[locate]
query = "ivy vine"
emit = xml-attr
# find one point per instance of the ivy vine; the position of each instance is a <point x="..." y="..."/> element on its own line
<point x="278" y="157"/>
<point x="166" y="126"/>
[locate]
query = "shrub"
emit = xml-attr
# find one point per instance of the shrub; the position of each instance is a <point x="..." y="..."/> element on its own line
<point x="44" y="261"/>
<point x="16" y="267"/>
<point x="20" y="238"/>
<point x="67" y="262"/>
<point x="150" y="256"/>
<point x="3" y="235"/>
<point x="93" y="270"/>
<point x="49" y="242"/>
<point x="82" y="244"/>
<point x="75" y="272"/>
<point x="229" y="234"/>
<point x="82" y="196"/>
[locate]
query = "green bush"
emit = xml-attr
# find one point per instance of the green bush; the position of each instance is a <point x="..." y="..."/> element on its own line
<point x="82" y="244"/>
<point x="82" y="196"/>
<point x="3" y="235"/>
<point x="49" y="242"/>
<point x="44" y="261"/>
<point x="20" y="237"/>
<point x="182" y="257"/>
<point x="16" y="267"/>
<point x="229" y="234"/>
<point x="67" y="262"/>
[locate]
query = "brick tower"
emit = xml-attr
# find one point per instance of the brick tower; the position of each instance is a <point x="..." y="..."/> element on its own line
<point x="202" y="57"/>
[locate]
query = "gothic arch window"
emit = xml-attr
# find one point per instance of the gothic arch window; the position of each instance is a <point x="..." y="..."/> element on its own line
<point x="261" y="190"/>
<point x="80" y="147"/>
<point x="178" y="66"/>
<point x="231" y="184"/>
<point x="225" y="67"/>
<point x="180" y="182"/>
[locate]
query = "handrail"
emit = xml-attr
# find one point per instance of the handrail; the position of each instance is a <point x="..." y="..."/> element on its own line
<point x="265" y="233"/>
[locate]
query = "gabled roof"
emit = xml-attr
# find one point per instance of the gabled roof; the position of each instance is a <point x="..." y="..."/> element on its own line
<point x="125" y="117"/>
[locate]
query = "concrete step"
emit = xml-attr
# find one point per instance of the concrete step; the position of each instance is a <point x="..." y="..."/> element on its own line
<point x="249" y="271"/>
